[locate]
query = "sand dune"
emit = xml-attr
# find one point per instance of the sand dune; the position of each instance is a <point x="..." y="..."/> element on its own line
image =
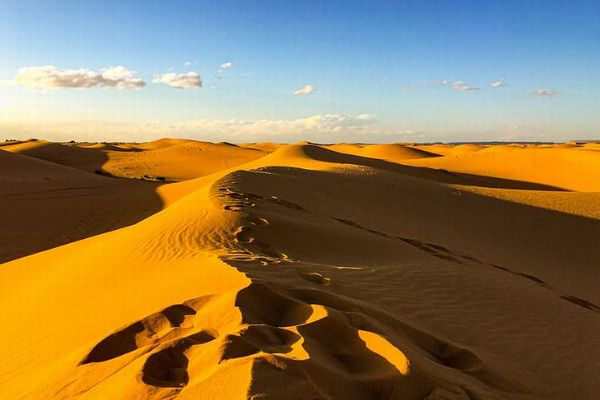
<point x="165" y="159"/>
<point x="389" y="152"/>
<point x="569" y="168"/>
<point x="300" y="271"/>
<point x="44" y="205"/>
<point x="84" y="158"/>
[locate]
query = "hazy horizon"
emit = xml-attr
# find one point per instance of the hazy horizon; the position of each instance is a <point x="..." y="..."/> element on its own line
<point x="376" y="72"/>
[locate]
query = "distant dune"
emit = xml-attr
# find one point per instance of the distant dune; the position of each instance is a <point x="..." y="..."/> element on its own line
<point x="179" y="269"/>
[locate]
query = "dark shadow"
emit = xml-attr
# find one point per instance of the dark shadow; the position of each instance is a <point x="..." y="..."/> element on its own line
<point x="70" y="155"/>
<point x="264" y="304"/>
<point x="339" y="366"/>
<point x="470" y="217"/>
<point x="115" y="345"/>
<point x="113" y="147"/>
<point x="59" y="199"/>
<point x="168" y="367"/>
<point x="582" y="303"/>
<point x="229" y="144"/>
<point x="176" y="313"/>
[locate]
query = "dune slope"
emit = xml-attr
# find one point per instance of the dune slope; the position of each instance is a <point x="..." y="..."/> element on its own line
<point x="567" y="168"/>
<point x="44" y="205"/>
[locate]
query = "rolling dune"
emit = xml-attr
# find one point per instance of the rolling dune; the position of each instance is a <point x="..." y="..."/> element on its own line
<point x="299" y="271"/>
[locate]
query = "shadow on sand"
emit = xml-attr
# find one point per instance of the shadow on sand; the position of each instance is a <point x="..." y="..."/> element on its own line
<point x="83" y="203"/>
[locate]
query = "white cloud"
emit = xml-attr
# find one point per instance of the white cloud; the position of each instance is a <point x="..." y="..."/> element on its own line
<point x="321" y="127"/>
<point x="305" y="91"/>
<point x="121" y="78"/>
<point x="227" y="65"/>
<point x="336" y="122"/>
<point x="545" y="93"/>
<point x="497" y="84"/>
<point x="187" y="63"/>
<point x="462" y="87"/>
<point x="190" y="80"/>
<point x="48" y="77"/>
<point x="51" y="77"/>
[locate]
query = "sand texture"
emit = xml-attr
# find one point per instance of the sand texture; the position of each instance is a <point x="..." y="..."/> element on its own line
<point x="179" y="269"/>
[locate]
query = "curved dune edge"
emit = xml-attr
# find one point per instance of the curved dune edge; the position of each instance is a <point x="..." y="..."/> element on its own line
<point x="570" y="168"/>
<point x="309" y="273"/>
<point x="389" y="152"/>
<point x="164" y="159"/>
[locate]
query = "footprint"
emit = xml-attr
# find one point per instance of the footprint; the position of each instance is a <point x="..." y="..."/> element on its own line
<point x="259" y="338"/>
<point x="531" y="277"/>
<point x="458" y="358"/>
<point x="257" y="221"/>
<point x="243" y="234"/>
<point x="115" y="345"/>
<point x="270" y="339"/>
<point x="263" y="304"/>
<point x="176" y="314"/>
<point x="573" y="299"/>
<point x="284" y="203"/>
<point x="446" y="257"/>
<point x="430" y="248"/>
<point x="168" y="367"/>
<point x="233" y="208"/>
<point x="250" y="200"/>
<point x="433" y="249"/>
<point x="265" y="249"/>
<point x="316" y="278"/>
<point x="471" y="258"/>
<point x="582" y="303"/>
<point x="141" y="333"/>
<point x="236" y="347"/>
<point x="500" y="267"/>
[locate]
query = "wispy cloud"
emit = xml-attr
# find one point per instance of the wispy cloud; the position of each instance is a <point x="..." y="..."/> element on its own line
<point x="227" y="65"/>
<point x="316" y="124"/>
<point x="52" y="77"/>
<point x="320" y="124"/>
<point x="460" y="86"/>
<point x="320" y="128"/>
<point x="337" y="122"/>
<point x="545" y="93"/>
<point x="305" y="91"/>
<point x="498" y="84"/>
<point x="190" y="80"/>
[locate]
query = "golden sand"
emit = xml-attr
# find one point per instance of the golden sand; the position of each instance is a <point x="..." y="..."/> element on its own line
<point x="193" y="270"/>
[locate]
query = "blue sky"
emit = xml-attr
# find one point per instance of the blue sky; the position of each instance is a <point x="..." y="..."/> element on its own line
<point x="381" y="70"/>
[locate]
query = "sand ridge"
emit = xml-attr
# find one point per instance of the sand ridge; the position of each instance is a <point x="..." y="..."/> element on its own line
<point x="306" y="271"/>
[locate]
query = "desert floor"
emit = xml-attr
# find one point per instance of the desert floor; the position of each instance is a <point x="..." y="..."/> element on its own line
<point x="179" y="269"/>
